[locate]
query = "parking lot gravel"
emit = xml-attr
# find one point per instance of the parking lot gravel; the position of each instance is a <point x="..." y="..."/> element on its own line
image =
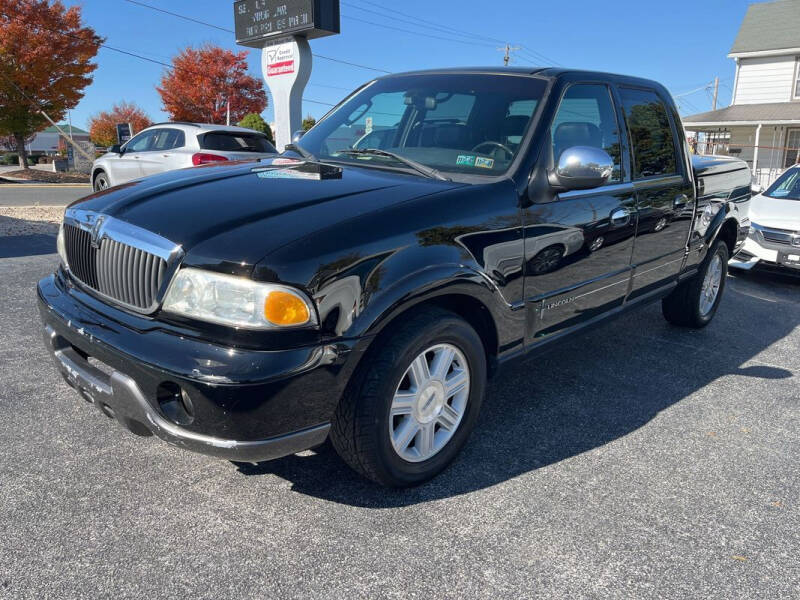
<point x="637" y="461"/>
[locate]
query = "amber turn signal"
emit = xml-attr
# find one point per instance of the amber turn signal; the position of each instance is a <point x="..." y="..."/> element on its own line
<point x="284" y="308"/>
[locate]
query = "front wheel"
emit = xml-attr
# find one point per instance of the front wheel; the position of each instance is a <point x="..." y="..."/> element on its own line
<point x="695" y="301"/>
<point x="101" y="181"/>
<point x="414" y="401"/>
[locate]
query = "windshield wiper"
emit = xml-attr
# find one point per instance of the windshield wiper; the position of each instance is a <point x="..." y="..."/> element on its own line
<point x="301" y="151"/>
<point x="418" y="167"/>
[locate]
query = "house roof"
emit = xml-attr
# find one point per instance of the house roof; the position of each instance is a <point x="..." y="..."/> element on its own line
<point x="776" y="112"/>
<point x="65" y="127"/>
<point x="769" y="26"/>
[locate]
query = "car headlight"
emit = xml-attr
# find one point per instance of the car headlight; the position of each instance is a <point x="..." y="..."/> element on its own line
<point x="60" y="246"/>
<point x="237" y="301"/>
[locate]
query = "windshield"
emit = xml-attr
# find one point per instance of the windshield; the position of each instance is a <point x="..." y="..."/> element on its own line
<point x="453" y="123"/>
<point x="787" y="186"/>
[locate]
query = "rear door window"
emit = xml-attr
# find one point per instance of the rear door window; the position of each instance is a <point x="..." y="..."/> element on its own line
<point x="234" y="141"/>
<point x="652" y="139"/>
<point x="167" y="139"/>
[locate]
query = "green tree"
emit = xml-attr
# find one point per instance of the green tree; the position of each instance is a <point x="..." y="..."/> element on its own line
<point x="309" y="122"/>
<point x="256" y="122"/>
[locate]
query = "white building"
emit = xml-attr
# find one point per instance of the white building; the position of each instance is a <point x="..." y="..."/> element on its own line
<point x="762" y="124"/>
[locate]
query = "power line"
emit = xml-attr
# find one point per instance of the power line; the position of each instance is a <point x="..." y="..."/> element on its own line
<point x="225" y="29"/>
<point x="447" y="29"/>
<point x="422" y="33"/>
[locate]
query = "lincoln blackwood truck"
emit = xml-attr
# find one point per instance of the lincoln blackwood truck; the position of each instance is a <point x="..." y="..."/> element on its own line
<point x="365" y="284"/>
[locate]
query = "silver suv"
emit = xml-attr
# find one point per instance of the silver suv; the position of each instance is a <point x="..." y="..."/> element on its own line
<point x="168" y="146"/>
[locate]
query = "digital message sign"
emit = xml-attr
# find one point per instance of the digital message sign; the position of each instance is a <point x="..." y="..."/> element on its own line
<point x="259" y="21"/>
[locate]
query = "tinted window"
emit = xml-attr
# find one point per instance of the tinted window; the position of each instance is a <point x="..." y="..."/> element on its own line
<point x="651" y="135"/>
<point x="141" y="142"/>
<point x="586" y="117"/>
<point x="167" y="139"/>
<point x="234" y="141"/>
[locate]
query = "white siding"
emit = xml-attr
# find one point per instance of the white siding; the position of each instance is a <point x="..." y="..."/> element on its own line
<point x="765" y="79"/>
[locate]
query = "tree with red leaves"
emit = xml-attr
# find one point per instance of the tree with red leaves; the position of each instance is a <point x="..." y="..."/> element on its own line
<point x="204" y="80"/>
<point x="45" y="64"/>
<point x="103" y="126"/>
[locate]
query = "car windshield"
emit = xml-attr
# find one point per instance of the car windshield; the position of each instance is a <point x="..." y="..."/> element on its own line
<point x="787" y="186"/>
<point x="453" y="123"/>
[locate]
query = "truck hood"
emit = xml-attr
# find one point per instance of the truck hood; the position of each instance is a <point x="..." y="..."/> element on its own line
<point x="227" y="216"/>
<point x="775" y="212"/>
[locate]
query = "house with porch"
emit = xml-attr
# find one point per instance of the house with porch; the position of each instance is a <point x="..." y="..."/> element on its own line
<point x="762" y="124"/>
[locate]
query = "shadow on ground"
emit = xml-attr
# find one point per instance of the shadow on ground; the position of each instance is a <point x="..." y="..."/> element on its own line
<point x="21" y="237"/>
<point x="588" y="392"/>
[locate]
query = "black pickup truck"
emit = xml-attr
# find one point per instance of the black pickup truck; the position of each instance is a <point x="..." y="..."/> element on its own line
<point x="364" y="285"/>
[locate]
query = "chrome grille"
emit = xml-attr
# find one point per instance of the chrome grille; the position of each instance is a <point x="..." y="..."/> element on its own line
<point x="777" y="236"/>
<point x="103" y="254"/>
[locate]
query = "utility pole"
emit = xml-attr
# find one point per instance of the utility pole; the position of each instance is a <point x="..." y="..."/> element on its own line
<point x="228" y="119"/>
<point x="716" y="92"/>
<point x="508" y="49"/>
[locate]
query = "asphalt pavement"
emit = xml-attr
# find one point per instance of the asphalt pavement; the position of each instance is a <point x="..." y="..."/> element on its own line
<point x="31" y="194"/>
<point x="637" y="461"/>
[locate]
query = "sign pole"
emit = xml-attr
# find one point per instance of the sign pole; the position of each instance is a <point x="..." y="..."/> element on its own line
<point x="282" y="28"/>
<point x="287" y="69"/>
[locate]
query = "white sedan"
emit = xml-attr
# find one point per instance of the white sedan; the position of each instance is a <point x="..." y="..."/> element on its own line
<point x="169" y="146"/>
<point x="774" y="225"/>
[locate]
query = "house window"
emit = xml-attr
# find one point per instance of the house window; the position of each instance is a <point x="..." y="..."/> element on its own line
<point x="792" y="155"/>
<point x="796" y="89"/>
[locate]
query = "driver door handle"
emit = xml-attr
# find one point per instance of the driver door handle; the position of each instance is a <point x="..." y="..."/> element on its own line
<point x="620" y="217"/>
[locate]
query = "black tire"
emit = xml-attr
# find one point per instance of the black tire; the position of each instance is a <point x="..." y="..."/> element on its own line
<point x="100" y="181"/>
<point x="683" y="306"/>
<point x="360" y="428"/>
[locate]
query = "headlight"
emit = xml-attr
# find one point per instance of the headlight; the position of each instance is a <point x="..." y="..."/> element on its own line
<point x="60" y="246"/>
<point x="237" y="301"/>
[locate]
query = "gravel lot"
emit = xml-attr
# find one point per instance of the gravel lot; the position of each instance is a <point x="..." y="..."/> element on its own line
<point x="638" y="461"/>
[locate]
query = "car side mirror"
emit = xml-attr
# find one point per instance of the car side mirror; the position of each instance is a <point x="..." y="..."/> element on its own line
<point x="297" y="135"/>
<point x="115" y="149"/>
<point x="581" y="168"/>
<point x="756" y="188"/>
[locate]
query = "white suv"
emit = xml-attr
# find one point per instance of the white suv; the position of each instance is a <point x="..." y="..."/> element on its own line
<point x="774" y="225"/>
<point x="168" y="146"/>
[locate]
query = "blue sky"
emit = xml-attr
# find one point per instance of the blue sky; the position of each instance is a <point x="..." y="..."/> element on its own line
<point x="682" y="43"/>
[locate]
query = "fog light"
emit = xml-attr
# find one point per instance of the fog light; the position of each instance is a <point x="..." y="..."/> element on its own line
<point x="175" y="403"/>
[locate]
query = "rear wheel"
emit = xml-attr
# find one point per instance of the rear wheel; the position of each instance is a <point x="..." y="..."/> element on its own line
<point x="100" y="181"/>
<point x="413" y="402"/>
<point x="695" y="301"/>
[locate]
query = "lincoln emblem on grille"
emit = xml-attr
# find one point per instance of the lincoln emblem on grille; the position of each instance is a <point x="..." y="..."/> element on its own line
<point x="95" y="232"/>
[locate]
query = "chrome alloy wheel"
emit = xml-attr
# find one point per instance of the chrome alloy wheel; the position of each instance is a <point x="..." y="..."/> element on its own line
<point x="429" y="403"/>
<point x="711" y="285"/>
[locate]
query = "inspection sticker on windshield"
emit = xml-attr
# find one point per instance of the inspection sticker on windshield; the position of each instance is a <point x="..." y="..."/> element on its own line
<point x="466" y="160"/>
<point x="484" y="163"/>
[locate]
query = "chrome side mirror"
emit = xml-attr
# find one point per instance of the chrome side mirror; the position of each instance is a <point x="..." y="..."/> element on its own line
<point x="582" y="168"/>
<point x="297" y="135"/>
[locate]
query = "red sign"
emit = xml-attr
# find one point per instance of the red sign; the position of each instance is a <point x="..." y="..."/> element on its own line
<point x="280" y="68"/>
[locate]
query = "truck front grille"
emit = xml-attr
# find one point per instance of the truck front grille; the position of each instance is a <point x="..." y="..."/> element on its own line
<point x="114" y="269"/>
